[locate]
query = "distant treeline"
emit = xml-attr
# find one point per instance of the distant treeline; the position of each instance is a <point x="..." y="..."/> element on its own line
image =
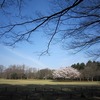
<point x="88" y="71"/>
<point x="24" y="72"/>
<point x="79" y="71"/>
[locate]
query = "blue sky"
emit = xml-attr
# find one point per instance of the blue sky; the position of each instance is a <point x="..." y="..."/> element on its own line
<point x="28" y="54"/>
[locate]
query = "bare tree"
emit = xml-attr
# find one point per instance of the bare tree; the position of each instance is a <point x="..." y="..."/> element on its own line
<point x="15" y="71"/>
<point x="1" y="71"/>
<point x="75" y="21"/>
<point x="44" y="73"/>
<point x="90" y="72"/>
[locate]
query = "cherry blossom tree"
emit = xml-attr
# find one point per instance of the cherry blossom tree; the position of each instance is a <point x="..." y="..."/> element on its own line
<point x="66" y="73"/>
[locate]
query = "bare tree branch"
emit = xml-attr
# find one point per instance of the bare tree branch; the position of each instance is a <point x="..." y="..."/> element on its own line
<point x="2" y="3"/>
<point x="77" y="23"/>
<point x="41" y="20"/>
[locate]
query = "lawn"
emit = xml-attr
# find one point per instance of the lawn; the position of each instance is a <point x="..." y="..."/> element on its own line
<point x="48" y="90"/>
<point x="45" y="82"/>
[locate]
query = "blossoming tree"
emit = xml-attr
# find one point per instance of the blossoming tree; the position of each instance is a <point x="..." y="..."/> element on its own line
<point x="66" y="73"/>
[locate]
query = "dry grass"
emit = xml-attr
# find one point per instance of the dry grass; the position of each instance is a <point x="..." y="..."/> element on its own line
<point x="45" y="82"/>
<point x="48" y="90"/>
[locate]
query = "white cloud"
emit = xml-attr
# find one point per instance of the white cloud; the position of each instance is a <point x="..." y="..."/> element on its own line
<point x="27" y="59"/>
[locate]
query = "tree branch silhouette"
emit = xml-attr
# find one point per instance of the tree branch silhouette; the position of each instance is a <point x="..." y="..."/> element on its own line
<point x="78" y="23"/>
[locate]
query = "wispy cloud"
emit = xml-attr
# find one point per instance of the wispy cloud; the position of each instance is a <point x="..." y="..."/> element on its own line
<point x="27" y="58"/>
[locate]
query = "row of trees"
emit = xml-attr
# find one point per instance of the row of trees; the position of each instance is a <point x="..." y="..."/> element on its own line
<point x="89" y="71"/>
<point x="79" y="71"/>
<point x="24" y="72"/>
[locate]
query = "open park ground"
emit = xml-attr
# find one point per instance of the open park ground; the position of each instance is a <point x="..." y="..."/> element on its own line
<point x="48" y="90"/>
<point x="47" y="82"/>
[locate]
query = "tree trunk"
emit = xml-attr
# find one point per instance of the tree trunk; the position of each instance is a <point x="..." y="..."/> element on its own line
<point x="80" y="79"/>
<point x="92" y="79"/>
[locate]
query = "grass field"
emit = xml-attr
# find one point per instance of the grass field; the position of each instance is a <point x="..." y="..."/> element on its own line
<point x="45" y="82"/>
<point x="48" y="90"/>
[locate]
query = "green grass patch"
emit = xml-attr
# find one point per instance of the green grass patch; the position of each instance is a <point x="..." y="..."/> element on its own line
<point x="45" y="82"/>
